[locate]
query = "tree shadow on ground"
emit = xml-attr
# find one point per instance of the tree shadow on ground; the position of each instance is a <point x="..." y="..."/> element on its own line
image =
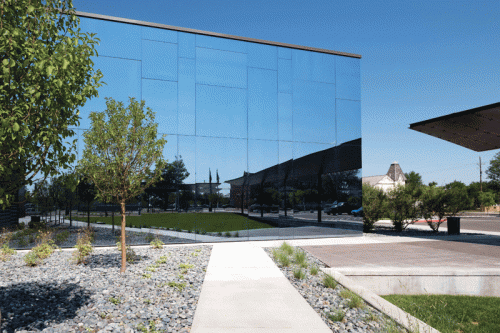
<point x="29" y="306"/>
<point x="108" y="260"/>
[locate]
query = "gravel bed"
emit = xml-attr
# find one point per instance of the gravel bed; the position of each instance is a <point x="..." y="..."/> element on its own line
<point x="103" y="237"/>
<point x="60" y="296"/>
<point x="326" y="300"/>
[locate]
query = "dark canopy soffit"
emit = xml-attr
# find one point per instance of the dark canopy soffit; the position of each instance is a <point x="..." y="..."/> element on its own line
<point x="477" y="129"/>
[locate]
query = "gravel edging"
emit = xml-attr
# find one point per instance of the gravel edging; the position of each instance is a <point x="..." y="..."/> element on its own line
<point x="60" y="296"/>
<point x="323" y="300"/>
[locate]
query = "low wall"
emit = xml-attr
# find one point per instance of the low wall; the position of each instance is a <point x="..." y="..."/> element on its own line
<point x="475" y="282"/>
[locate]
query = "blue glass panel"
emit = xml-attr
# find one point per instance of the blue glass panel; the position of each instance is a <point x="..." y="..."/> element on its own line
<point x="313" y="66"/>
<point x="348" y="120"/>
<point x="285" y="117"/>
<point x="170" y="148"/>
<point x="286" y="186"/>
<point x="187" y="96"/>
<point x="187" y="45"/>
<point x="227" y="157"/>
<point x="313" y="112"/>
<point x="161" y="35"/>
<point x="221" y="44"/>
<point x="221" y="111"/>
<point x="187" y="152"/>
<point x="262" y="56"/>
<point x="285" y="76"/>
<point x="262" y="104"/>
<point x="221" y="68"/>
<point x="262" y="154"/>
<point x="348" y="78"/>
<point x="284" y="53"/>
<point x="161" y="97"/>
<point x="116" y="39"/>
<point x="159" y="60"/>
<point x="123" y="79"/>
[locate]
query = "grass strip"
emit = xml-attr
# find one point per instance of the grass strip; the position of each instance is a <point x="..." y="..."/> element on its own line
<point x="452" y="313"/>
<point x="209" y="222"/>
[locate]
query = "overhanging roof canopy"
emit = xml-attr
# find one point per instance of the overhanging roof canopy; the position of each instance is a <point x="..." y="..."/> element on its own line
<point x="477" y="129"/>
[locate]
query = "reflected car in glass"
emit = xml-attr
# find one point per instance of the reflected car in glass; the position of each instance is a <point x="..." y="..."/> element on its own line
<point x="357" y="212"/>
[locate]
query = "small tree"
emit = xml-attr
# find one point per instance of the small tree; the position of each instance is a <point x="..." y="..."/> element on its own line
<point x="486" y="199"/>
<point x="457" y="197"/>
<point x="403" y="208"/>
<point x="374" y="206"/>
<point x="434" y="202"/>
<point x="117" y="158"/>
<point x="86" y="193"/>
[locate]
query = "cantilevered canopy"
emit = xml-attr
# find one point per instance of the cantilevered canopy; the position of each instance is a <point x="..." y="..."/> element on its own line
<point x="477" y="129"/>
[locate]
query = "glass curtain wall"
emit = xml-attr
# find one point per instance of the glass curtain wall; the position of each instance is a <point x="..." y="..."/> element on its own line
<point x="261" y="140"/>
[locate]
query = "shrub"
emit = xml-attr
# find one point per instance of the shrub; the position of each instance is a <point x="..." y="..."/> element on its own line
<point x="115" y="301"/>
<point x="227" y="234"/>
<point x="219" y="234"/>
<point x="146" y="276"/>
<point x="236" y="234"/>
<point x="31" y="259"/>
<point x="329" y="282"/>
<point x="83" y="247"/>
<point x="156" y="243"/>
<point x="5" y="251"/>
<point x="179" y="286"/>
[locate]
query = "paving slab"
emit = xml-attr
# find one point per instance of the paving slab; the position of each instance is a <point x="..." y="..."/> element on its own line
<point x="244" y="291"/>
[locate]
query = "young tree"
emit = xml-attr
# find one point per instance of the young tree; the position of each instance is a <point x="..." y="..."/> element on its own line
<point x="403" y="208"/>
<point x="117" y="158"/>
<point x="413" y="179"/>
<point x="435" y="201"/>
<point x="493" y="171"/>
<point x="486" y="199"/>
<point x="457" y="197"/>
<point x="45" y="75"/>
<point x="374" y="206"/>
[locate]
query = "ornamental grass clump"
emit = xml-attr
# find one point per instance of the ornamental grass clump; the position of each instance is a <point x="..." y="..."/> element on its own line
<point x="5" y="250"/>
<point x="300" y="257"/>
<point x="329" y="282"/>
<point x="42" y="251"/>
<point x="337" y="315"/>
<point x="83" y="247"/>
<point x="286" y="248"/>
<point x="156" y="243"/>
<point x="354" y="300"/>
<point x="299" y="274"/>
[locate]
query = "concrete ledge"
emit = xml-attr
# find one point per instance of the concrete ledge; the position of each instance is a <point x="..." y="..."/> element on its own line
<point x="401" y="317"/>
<point x="428" y="280"/>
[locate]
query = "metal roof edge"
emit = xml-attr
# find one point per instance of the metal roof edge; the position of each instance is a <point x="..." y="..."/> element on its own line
<point x="213" y="34"/>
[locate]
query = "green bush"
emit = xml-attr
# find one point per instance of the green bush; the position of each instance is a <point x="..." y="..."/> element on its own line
<point x="156" y="243"/>
<point x="31" y="259"/>
<point x="227" y="234"/>
<point x="83" y="247"/>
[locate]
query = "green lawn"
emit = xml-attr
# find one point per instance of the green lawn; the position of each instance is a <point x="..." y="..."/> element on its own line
<point x="452" y="314"/>
<point x="210" y="222"/>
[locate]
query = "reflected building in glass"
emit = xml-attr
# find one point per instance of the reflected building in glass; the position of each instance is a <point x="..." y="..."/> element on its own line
<point x="266" y="130"/>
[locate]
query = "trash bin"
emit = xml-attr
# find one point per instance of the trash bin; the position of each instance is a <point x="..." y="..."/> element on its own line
<point x="453" y="225"/>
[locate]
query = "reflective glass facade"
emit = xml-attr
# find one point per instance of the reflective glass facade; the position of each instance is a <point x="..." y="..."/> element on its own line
<point x="277" y="128"/>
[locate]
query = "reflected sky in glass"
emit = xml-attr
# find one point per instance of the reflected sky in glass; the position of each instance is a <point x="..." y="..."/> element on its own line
<point x="229" y="105"/>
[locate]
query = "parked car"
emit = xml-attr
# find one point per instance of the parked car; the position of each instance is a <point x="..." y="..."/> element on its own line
<point x="357" y="212"/>
<point x="339" y="208"/>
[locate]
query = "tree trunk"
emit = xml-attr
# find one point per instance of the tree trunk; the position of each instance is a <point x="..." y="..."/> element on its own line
<point x="124" y="253"/>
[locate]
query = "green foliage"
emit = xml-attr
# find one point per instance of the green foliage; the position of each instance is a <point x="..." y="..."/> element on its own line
<point x="114" y="300"/>
<point x="130" y="254"/>
<point x="83" y="247"/>
<point x="329" y="282"/>
<point x="402" y="206"/>
<point x="354" y="300"/>
<point x="283" y="259"/>
<point x="47" y="76"/>
<point x="227" y="234"/>
<point x="151" y="269"/>
<point x="146" y="276"/>
<point x="62" y="237"/>
<point x="299" y="274"/>
<point x="162" y="260"/>
<point x="493" y="171"/>
<point x="179" y="286"/>
<point x="288" y="249"/>
<point x="486" y="199"/>
<point x="374" y="206"/>
<point x="5" y="250"/>
<point x="31" y="259"/>
<point x="131" y="152"/>
<point x="157" y="243"/>
<point x="314" y="270"/>
<point x="434" y="202"/>
<point x="337" y="315"/>
<point x="300" y="257"/>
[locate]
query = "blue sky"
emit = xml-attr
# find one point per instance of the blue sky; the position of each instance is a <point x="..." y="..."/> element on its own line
<point x="420" y="60"/>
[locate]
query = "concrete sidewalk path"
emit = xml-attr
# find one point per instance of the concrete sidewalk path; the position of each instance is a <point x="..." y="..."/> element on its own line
<point x="244" y="291"/>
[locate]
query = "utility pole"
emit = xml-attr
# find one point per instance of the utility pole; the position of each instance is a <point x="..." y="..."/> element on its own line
<point x="480" y="175"/>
